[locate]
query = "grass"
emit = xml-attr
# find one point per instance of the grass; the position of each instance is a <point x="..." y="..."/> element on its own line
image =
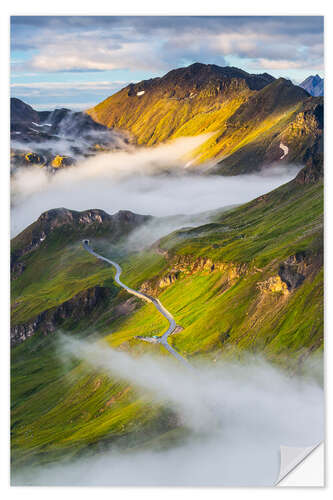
<point x="288" y="221"/>
<point x="63" y="407"/>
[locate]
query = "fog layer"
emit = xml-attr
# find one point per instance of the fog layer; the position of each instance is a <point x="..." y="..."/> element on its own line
<point x="238" y="416"/>
<point x="148" y="181"/>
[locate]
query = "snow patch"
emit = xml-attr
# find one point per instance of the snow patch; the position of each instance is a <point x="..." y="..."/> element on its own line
<point x="189" y="163"/>
<point x="285" y="150"/>
<point x="42" y="124"/>
<point x="141" y="92"/>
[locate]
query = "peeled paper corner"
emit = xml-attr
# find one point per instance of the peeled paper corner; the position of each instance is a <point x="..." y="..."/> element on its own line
<point x="291" y="457"/>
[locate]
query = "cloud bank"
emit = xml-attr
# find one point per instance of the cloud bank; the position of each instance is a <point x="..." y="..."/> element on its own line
<point x="147" y="181"/>
<point x="117" y="42"/>
<point x="238" y="415"/>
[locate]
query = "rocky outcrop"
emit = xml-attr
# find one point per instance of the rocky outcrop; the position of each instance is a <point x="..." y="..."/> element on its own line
<point x="188" y="265"/>
<point x="296" y="268"/>
<point x="273" y="284"/>
<point x="291" y="273"/>
<point x="20" y="112"/>
<point x="82" y="224"/>
<point x="77" y="308"/>
<point x="56" y="139"/>
<point x="62" y="161"/>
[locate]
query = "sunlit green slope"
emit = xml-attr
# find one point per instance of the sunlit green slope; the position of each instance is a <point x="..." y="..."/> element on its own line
<point x="251" y="281"/>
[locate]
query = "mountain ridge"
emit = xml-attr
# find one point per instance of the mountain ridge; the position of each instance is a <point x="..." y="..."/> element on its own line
<point x="208" y="99"/>
<point x="250" y="281"/>
<point x="54" y="139"/>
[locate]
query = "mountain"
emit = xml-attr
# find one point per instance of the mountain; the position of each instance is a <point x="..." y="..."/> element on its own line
<point x="55" y="138"/>
<point x="20" y="112"/>
<point x="242" y="113"/>
<point x="70" y="224"/>
<point x="251" y="280"/>
<point x="314" y="85"/>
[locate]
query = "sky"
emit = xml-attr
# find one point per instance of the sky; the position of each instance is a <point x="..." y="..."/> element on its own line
<point x="77" y="61"/>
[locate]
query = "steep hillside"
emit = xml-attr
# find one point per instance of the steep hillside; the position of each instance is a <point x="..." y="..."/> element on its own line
<point x="299" y="129"/>
<point x="250" y="281"/>
<point x="241" y="112"/>
<point x="49" y="268"/>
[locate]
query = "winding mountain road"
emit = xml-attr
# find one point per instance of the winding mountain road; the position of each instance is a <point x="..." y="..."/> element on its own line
<point x="163" y="339"/>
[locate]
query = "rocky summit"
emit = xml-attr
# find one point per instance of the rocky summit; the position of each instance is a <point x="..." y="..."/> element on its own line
<point x="246" y="116"/>
<point x="314" y="85"/>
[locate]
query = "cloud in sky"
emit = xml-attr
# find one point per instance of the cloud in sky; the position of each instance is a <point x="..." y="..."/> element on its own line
<point x="133" y="48"/>
<point x="70" y="94"/>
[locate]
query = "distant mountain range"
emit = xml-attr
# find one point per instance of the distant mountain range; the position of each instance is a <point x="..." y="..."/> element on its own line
<point x="314" y="85"/>
<point x="246" y="116"/>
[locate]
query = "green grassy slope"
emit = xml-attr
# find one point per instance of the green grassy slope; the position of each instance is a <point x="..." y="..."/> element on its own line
<point x="229" y="296"/>
<point x="235" y="288"/>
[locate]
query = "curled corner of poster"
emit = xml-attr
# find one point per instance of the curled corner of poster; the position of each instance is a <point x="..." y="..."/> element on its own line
<point x="297" y="462"/>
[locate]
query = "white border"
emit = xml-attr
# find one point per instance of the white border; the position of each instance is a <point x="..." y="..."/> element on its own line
<point x="140" y="7"/>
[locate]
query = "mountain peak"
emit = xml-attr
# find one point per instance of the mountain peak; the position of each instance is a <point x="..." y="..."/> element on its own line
<point x="21" y="112"/>
<point x="314" y="85"/>
<point x="201" y="74"/>
<point x="76" y="225"/>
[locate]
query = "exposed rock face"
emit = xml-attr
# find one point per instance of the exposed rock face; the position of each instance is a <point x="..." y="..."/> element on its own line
<point x="273" y="284"/>
<point x="78" y="307"/>
<point x="62" y="161"/>
<point x="296" y="268"/>
<point x="187" y="265"/>
<point x="314" y="169"/>
<point x="50" y="130"/>
<point x="291" y="274"/>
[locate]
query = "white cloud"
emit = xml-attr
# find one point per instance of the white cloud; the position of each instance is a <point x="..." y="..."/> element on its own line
<point x="71" y="85"/>
<point x="99" y="55"/>
<point x="162" y="47"/>
<point x="144" y="180"/>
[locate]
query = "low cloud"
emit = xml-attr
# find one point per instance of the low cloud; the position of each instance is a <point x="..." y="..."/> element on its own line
<point x="48" y="95"/>
<point x="144" y="180"/>
<point x="238" y="415"/>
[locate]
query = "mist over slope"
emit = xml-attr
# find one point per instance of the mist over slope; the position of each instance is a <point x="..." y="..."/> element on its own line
<point x="56" y="139"/>
<point x="144" y="180"/>
<point x="248" y="115"/>
<point x="249" y="280"/>
<point x="236" y="416"/>
<point x="101" y="406"/>
<point x="314" y="85"/>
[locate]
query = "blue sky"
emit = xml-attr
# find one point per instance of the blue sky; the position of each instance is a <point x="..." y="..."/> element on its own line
<point x="77" y="61"/>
